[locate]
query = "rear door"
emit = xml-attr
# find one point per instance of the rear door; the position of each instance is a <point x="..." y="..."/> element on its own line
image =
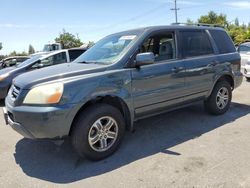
<point x="157" y="86"/>
<point x="199" y="59"/>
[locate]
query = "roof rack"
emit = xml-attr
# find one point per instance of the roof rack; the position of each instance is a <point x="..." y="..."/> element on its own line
<point x="200" y="24"/>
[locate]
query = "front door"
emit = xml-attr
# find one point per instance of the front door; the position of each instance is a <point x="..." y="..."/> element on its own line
<point x="157" y="86"/>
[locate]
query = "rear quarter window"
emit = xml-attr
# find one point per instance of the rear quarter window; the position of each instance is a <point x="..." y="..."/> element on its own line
<point x="223" y="42"/>
<point x="73" y="54"/>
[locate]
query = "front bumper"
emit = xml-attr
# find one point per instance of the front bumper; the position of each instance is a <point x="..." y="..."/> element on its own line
<point x="16" y="126"/>
<point x="40" y="122"/>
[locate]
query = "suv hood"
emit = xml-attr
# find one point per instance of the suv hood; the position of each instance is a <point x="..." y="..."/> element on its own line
<point x="66" y="70"/>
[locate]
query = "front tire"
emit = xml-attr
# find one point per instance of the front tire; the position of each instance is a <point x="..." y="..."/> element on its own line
<point x="248" y="79"/>
<point x="220" y="100"/>
<point x="98" y="131"/>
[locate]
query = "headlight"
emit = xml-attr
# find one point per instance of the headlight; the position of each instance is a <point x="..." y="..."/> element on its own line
<point x="46" y="94"/>
<point x="3" y="76"/>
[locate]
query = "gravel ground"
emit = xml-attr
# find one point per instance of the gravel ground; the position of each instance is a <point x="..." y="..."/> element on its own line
<point x="184" y="148"/>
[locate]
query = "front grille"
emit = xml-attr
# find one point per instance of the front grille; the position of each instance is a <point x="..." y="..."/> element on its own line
<point x="15" y="92"/>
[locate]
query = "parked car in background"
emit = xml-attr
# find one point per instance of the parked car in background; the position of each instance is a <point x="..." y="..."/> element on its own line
<point x="49" y="48"/>
<point x="36" y="62"/>
<point x="52" y="47"/>
<point x="12" y="61"/>
<point x="125" y="77"/>
<point x="244" y="50"/>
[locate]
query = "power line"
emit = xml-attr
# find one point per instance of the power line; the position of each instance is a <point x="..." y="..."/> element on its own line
<point x="176" y="11"/>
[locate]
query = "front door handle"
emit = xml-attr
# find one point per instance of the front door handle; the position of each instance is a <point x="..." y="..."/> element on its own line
<point x="178" y="69"/>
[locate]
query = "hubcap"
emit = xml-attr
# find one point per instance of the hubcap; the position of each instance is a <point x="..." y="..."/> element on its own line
<point x="222" y="98"/>
<point x="103" y="134"/>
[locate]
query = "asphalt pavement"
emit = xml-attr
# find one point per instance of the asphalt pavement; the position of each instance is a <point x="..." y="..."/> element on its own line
<point x="184" y="148"/>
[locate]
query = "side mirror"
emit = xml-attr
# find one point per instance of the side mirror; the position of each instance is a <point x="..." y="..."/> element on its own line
<point x="147" y="58"/>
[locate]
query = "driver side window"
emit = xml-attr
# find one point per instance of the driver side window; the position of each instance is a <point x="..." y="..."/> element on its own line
<point x="161" y="45"/>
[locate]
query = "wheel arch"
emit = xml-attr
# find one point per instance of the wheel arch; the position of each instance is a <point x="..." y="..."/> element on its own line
<point x="224" y="77"/>
<point x="114" y="101"/>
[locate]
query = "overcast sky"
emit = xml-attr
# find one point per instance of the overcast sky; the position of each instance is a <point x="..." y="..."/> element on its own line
<point x="36" y="22"/>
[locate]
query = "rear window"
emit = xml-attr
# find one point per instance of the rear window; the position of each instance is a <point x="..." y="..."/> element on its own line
<point x="223" y="41"/>
<point x="195" y="43"/>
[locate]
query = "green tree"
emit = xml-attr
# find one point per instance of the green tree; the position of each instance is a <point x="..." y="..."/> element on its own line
<point x="68" y="40"/>
<point x="14" y="53"/>
<point x="189" y="21"/>
<point x="31" y="49"/>
<point x="1" y="46"/>
<point x="238" y="32"/>
<point x="90" y="44"/>
<point x="213" y="18"/>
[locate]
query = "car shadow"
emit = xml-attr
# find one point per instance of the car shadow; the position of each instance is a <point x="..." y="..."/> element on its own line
<point x="60" y="164"/>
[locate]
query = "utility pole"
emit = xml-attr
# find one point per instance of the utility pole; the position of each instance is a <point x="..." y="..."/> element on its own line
<point x="175" y="9"/>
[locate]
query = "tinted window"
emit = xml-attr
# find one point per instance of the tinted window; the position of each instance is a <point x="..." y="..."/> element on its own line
<point x="73" y="54"/>
<point x="161" y="45"/>
<point x="223" y="41"/>
<point x="195" y="43"/>
<point x="60" y="58"/>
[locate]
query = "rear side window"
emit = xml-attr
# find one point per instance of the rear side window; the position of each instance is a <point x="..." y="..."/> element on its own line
<point x="223" y="41"/>
<point x="195" y="43"/>
<point x="73" y="54"/>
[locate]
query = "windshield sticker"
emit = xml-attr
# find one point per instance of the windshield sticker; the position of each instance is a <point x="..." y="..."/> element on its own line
<point x="128" y="37"/>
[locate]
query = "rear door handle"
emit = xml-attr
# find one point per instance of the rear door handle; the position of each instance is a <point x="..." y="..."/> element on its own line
<point x="178" y="69"/>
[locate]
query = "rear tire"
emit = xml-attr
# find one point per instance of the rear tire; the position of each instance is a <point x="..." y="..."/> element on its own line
<point x="248" y="79"/>
<point x="98" y="132"/>
<point x="219" y="101"/>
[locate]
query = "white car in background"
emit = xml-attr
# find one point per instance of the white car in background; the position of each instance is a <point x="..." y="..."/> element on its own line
<point x="244" y="50"/>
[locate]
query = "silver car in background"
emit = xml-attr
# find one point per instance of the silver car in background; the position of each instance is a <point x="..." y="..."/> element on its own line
<point x="244" y="50"/>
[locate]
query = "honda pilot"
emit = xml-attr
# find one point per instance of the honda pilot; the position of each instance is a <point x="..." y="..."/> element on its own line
<point x="123" y="78"/>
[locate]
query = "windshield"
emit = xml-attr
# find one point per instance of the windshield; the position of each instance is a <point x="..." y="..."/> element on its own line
<point x="108" y="50"/>
<point x="29" y="61"/>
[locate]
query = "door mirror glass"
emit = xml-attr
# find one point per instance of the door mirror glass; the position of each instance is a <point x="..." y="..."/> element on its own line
<point x="145" y="59"/>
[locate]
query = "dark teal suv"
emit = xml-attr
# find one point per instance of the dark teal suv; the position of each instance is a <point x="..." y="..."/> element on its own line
<point x="125" y="77"/>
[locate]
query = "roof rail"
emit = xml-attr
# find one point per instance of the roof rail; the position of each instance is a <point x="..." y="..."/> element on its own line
<point x="200" y="24"/>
